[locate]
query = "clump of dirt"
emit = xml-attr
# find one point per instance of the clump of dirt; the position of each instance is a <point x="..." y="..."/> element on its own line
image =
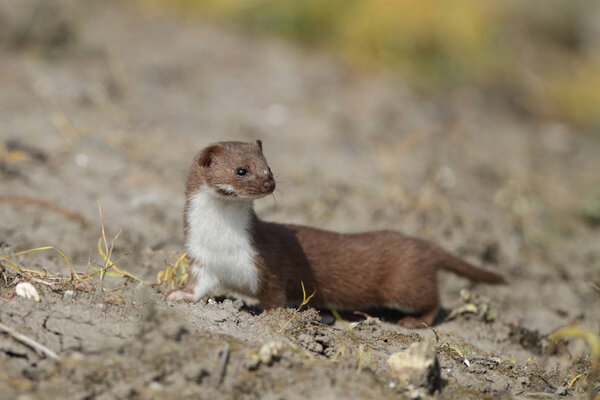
<point x="530" y="339"/>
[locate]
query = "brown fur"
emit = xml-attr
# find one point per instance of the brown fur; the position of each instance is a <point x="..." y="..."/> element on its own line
<point x="214" y="164"/>
<point x="348" y="271"/>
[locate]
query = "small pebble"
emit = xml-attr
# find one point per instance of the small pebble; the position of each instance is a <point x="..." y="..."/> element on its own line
<point x="77" y="356"/>
<point x="238" y="304"/>
<point x="157" y="387"/>
<point x="269" y="352"/>
<point x="445" y="177"/>
<point x="27" y="290"/>
<point x="82" y="160"/>
<point x="227" y="303"/>
<point x="465" y="295"/>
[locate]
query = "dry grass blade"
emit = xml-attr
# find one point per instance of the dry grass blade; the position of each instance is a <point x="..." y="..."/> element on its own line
<point x="362" y="314"/>
<point x="305" y="301"/>
<point x="575" y="332"/>
<point x="107" y="252"/>
<point x="76" y="280"/>
<point x="106" y="258"/>
<point x="457" y="353"/>
<point x="437" y="336"/>
<point x="112" y="265"/>
<point x="593" y="341"/>
<point x="15" y="267"/>
<point x="336" y="314"/>
<point x="577" y="377"/>
<point x="175" y="274"/>
<point x="82" y="281"/>
<point x="38" y="347"/>
<point x="361" y="358"/>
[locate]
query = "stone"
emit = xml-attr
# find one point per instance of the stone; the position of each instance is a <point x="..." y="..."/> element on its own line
<point x="269" y="352"/>
<point x="417" y="366"/>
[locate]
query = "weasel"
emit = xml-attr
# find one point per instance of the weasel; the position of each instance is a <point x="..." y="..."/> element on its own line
<point x="229" y="246"/>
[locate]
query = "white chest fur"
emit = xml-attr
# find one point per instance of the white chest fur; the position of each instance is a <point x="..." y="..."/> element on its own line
<point x="218" y="238"/>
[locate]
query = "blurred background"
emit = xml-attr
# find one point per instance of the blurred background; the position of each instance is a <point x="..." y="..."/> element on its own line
<point x="474" y="124"/>
<point x="543" y="58"/>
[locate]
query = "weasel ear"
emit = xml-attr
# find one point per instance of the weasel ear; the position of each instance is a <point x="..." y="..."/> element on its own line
<point x="206" y="157"/>
<point x="259" y="144"/>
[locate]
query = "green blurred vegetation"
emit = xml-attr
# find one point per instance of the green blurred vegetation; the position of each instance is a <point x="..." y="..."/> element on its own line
<point x="591" y="209"/>
<point x="543" y="56"/>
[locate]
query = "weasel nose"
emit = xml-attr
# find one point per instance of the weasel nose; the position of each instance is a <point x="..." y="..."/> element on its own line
<point x="269" y="185"/>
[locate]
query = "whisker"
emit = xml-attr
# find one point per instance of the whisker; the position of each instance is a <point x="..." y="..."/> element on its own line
<point x="277" y="180"/>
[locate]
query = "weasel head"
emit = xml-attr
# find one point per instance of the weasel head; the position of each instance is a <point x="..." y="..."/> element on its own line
<point x="232" y="171"/>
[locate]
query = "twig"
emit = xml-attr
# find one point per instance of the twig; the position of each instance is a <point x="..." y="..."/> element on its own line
<point x="43" y="282"/>
<point x="67" y="213"/>
<point x="38" y="347"/>
<point x="437" y="337"/>
<point x="223" y="361"/>
<point x="362" y="314"/>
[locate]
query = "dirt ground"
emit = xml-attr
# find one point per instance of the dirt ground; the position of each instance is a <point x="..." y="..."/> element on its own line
<point x="110" y="110"/>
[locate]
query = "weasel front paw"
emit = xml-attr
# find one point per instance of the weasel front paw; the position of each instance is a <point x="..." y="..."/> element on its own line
<point x="184" y="295"/>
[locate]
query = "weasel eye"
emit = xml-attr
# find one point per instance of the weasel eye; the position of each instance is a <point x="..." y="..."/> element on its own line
<point x="241" y="171"/>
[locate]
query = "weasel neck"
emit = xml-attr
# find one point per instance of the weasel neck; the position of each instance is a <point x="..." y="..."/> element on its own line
<point x="219" y="239"/>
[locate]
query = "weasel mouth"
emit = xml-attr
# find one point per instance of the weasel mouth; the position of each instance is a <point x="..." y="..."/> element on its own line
<point x="252" y="196"/>
<point x="225" y="190"/>
<point x="229" y="192"/>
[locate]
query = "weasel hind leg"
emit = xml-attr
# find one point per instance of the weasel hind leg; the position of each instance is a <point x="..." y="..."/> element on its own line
<point x="421" y="320"/>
